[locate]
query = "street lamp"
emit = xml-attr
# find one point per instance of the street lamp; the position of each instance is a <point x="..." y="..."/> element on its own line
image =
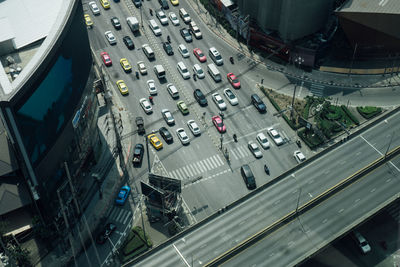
<point x="221" y="114"/>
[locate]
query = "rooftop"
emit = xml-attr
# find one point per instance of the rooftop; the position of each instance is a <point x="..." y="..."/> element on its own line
<point x="371" y="6"/>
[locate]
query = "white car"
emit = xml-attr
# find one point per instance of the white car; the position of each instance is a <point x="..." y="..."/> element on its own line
<point x="183" y="70"/>
<point x="183" y="50"/>
<point x="146" y="105"/>
<point x="174" y="19"/>
<point x="182" y="136"/>
<point x="254" y="149"/>
<point x="231" y="96"/>
<point x="361" y="242"/>
<point x="262" y="139"/>
<point x="142" y="67"/>
<point x="95" y="9"/>
<point x="167" y="115"/>
<point x="219" y="101"/>
<point x="152" y="87"/>
<point x="195" y="30"/>
<point x="194" y="128"/>
<point x="299" y="156"/>
<point x="198" y="71"/>
<point x="275" y="136"/>
<point x="110" y="37"/>
<point x="162" y="17"/>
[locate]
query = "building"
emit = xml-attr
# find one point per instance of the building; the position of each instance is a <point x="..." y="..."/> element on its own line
<point x="48" y="105"/>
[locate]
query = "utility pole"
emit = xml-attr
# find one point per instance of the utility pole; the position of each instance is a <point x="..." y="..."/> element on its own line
<point x="222" y="134"/>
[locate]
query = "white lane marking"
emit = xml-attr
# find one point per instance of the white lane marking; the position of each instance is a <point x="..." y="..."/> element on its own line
<point x="219" y="158"/>
<point x="203" y="165"/>
<point x="373" y="190"/>
<point x="180" y="174"/>
<point x="119" y="215"/>
<point x="113" y="213"/>
<point x="234" y="154"/>
<point x="190" y="170"/>
<point x="310" y="195"/>
<point x="127" y="217"/>
<point x="215" y="161"/>
<point x="206" y="164"/>
<point x="187" y="207"/>
<point x="358" y="153"/>
<point x="200" y="167"/>
<point x="185" y="171"/>
<point x="195" y="169"/>
<point x="341" y="210"/>
<point x="371" y="145"/>
<point x="210" y="163"/>
<point x="179" y="253"/>
<point x="241" y="152"/>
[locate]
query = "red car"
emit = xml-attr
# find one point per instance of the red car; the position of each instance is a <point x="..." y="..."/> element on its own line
<point x="233" y="80"/>
<point x="199" y="54"/>
<point x="219" y="124"/>
<point x="106" y="58"/>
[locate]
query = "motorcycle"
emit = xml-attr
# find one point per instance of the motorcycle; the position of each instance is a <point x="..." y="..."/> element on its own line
<point x="169" y="39"/>
<point x="231" y="60"/>
<point x="194" y="77"/>
<point x="298" y="143"/>
<point x="137" y="75"/>
<point x="151" y="11"/>
<point x="266" y="169"/>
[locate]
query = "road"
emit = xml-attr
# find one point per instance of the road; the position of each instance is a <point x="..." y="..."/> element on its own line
<point x="334" y="216"/>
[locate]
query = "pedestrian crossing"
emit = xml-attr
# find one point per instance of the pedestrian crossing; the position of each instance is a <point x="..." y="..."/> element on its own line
<point x="197" y="168"/>
<point x="239" y="152"/>
<point x="120" y="215"/>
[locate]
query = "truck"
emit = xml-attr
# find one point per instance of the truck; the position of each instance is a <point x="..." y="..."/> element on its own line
<point x="133" y="23"/>
<point x="140" y="125"/>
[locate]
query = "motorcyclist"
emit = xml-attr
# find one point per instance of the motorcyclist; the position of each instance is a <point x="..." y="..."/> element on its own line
<point x="151" y="100"/>
<point x="137" y="75"/>
<point x="168" y="39"/>
<point x="151" y="11"/>
<point x="235" y="137"/>
<point x="231" y="59"/>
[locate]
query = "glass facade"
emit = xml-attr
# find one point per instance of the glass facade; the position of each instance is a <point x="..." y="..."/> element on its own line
<point x="50" y="106"/>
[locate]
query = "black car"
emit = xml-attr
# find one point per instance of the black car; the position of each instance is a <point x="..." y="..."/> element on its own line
<point x="258" y="103"/>
<point x="164" y="4"/>
<point x="115" y="22"/>
<point x="137" y="3"/>
<point x="248" y="177"/>
<point x="138" y="152"/>
<point x="168" y="48"/>
<point x="166" y="135"/>
<point x="108" y="229"/>
<point x="186" y="35"/>
<point x="128" y="42"/>
<point x="200" y="97"/>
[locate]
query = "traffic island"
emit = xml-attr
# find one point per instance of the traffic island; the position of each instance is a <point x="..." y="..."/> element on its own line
<point x="135" y="244"/>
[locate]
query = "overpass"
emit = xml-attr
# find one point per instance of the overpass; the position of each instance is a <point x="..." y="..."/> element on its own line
<point x="284" y="222"/>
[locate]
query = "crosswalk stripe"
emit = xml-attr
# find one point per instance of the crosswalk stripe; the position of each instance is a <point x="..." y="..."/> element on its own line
<point x="194" y="168"/>
<point x="181" y="175"/>
<point x="212" y="164"/>
<point x="119" y="215"/>
<point x="219" y="158"/>
<point x="189" y="170"/>
<point x="127" y="216"/>
<point x="199" y="167"/>
<point x="234" y="154"/>
<point x="203" y="165"/>
<point x="113" y="212"/>
<point x="186" y="173"/>
<point x="173" y="174"/>
<point x="207" y="165"/>
<point x="216" y="161"/>
<point x="242" y="152"/>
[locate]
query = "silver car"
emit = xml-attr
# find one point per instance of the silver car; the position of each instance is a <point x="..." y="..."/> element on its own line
<point x="231" y="97"/>
<point x="167" y="115"/>
<point x="275" y="136"/>
<point x="95" y="9"/>
<point x="146" y="105"/>
<point x="219" y="101"/>
<point x="152" y="87"/>
<point x="183" y="50"/>
<point x="110" y="37"/>
<point x="174" y="19"/>
<point x="182" y="136"/>
<point x="194" y="128"/>
<point x="262" y="139"/>
<point x="254" y="149"/>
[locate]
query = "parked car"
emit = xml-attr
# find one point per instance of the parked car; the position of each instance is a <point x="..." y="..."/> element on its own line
<point x="105" y="233"/>
<point x="166" y="135"/>
<point x="157" y="144"/>
<point x="299" y="156"/>
<point x="88" y="20"/>
<point x="123" y="195"/>
<point x="95" y="9"/>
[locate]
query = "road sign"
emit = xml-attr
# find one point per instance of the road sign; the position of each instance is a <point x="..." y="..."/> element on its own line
<point x="165" y="183"/>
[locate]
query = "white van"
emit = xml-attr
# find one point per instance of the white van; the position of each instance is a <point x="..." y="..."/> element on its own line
<point x="183" y="70"/>
<point x="133" y="23"/>
<point x="159" y="71"/>
<point x="154" y="27"/>
<point x="148" y="51"/>
<point x="172" y="91"/>
<point x="198" y="71"/>
<point x="184" y="15"/>
<point x="214" y="72"/>
<point x="215" y="56"/>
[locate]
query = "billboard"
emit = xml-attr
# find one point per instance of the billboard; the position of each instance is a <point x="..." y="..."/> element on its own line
<point x="154" y="195"/>
<point x="165" y="183"/>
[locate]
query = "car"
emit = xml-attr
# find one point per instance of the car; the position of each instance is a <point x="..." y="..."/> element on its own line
<point x="183" y="50"/>
<point x="128" y="42"/>
<point x="122" y="87"/>
<point x="219" y="124"/>
<point x="110" y="38"/>
<point x="258" y="103"/>
<point x="168" y="48"/>
<point x="186" y="35"/>
<point x="140" y="125"/>
<point x="254" y="149"/>
<point x="361" y="242"/>
<point x="183" y="70"/>
<point x="125" y="65"/>
<point x="95" y="9"/>
<point x="231" y="97"/>
<point x="200" y="97"/>
<point x="116" y="23"/>
<point x="173" y="91"/>
<point x="262" y="139"/>
<point x="152" y="87"/>
<point x="88" y="20"/>
<point x="106" y="58"/>
<point x="168" y="117"/>
<point x="199" y="55"/>
<point x="198" y="71"/>
<point x="146" y="105"/>
<point x="138" y="152"/>
<point x="166" y="135"/>
<point x="157" y="144"/>
<point x="233" y="80"/>
<point x="248" y="177"/>
<point x="105" y="233"/>
<point x="182" y="107"/>
<point x="173" y="18"/>
<point x="194" y="29"/>
<point x="219" y="101"/>
<point x="142" y="67"/>
<point x="164" y="4"/>
<point x="137" y="3"/>
<point x="123" y="195"/>
<point x="175" y="2"/>
<point x="299" y="156"/>
<point x="180" y="132"/>
<point x="193" y="127"/>
<point x="275" y="136"/>
<point x="105" y="4"/>
<point x="162" y="17"/>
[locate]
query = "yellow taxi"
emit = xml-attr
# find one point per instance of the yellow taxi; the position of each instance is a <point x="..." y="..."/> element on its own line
<point x="125" y="65"/>
<point x="105" y="4"/>
<point x="155" y="141"/>
<point x="122" y="87"/>
<point x="88" y="20"/>
<point x="175" y="2"/>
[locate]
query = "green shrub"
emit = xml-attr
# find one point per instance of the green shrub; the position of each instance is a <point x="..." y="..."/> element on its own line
<point x="350" y="115"/>
<point x="309" y="138"/>
<point x="307" y="107"/>
<point x="369" y="112"/>
<point x="138" y="230"/>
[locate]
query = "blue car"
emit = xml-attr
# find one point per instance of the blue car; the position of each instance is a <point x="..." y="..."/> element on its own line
<point x="123" y="195"/>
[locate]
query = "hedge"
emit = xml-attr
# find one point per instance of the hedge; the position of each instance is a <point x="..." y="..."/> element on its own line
<point x="350" y="115"/>
<point x="311" y="143"/>
<point x="369" y="112"/>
